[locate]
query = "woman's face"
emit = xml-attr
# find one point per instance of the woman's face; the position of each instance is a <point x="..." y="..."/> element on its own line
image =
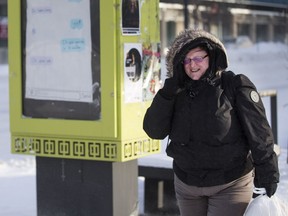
<point x="196" y="63"/>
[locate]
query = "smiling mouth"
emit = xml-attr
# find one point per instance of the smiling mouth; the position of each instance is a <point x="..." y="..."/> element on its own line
<point x="194" y="71"/>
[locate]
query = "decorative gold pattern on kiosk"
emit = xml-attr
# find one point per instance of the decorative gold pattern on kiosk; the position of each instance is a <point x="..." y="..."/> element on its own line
<point x="84" y="149"/>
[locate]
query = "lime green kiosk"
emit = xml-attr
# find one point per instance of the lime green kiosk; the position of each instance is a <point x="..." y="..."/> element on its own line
<point x="82" y="74"/>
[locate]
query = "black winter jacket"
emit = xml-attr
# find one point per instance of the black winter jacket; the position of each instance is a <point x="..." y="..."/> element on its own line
<point x="212" y="136"/>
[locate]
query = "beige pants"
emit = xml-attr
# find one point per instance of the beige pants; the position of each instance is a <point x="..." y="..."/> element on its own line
<point x="223" y="200"/>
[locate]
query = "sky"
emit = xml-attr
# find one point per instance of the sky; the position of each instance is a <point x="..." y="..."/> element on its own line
<point x="266" y="64"/>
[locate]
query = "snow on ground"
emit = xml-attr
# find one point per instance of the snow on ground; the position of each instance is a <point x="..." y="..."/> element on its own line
<point x="266" y="64"/>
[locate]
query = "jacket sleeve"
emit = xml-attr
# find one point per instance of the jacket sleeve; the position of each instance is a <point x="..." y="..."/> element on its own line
<point x="157" y="119"/>
<point x="251" y="113"/>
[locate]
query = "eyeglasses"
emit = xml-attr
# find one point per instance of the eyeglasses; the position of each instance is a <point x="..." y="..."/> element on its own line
<point x="197" y="59"/>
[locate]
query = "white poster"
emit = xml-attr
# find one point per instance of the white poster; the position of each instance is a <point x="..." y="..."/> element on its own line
<point x="58" y="50"/>
<point x="151" y="70"/>
<point x="133" y="78"/>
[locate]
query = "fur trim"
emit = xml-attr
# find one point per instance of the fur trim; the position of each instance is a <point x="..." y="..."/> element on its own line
<point x="186" y="37"/>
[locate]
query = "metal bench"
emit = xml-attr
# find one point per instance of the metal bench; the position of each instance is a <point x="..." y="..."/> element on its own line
<point x="159" y="193"/>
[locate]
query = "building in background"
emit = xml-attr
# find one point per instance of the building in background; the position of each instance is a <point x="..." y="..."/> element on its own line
<point x="3" y="32"/>
<point x="230" y="20"/>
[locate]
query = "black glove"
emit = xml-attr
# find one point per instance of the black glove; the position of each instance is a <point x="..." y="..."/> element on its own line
<point x="270" y="189"/>
<point x="170" y="88"/>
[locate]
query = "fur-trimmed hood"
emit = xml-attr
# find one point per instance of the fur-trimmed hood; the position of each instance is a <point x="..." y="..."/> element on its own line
<point x="189" y="39"/>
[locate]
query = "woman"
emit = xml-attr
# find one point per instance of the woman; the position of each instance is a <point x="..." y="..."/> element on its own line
<point x="217" y="129"/>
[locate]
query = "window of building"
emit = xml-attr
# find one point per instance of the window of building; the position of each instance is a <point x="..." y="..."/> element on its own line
<point x="279" y="33"/>
<point x="3" y="26"/>
<point x="262" y="33"/>
<point x="171" y="31"/>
